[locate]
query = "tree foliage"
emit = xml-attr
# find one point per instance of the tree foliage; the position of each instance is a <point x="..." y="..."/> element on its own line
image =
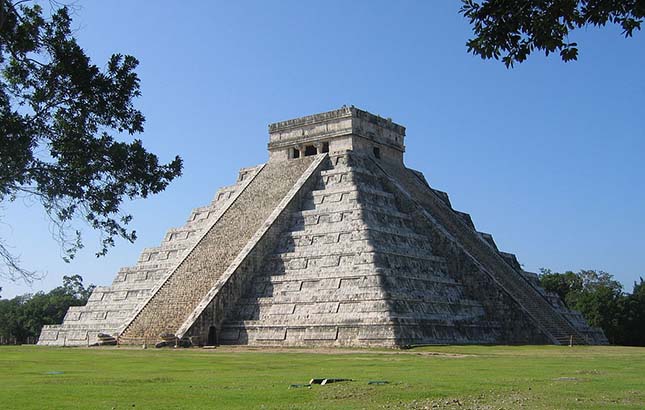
<point x="634" y="316"/>
<point x="62" y="119"/>
<point x="602" y="301"/>
<point x="562" y="284"/>
<point x="22" y="317"/>
<point x="513" y="29"/>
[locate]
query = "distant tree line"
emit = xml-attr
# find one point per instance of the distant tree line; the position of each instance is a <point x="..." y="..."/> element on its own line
<point x="603" y="302"/>
<point x="22" y="317"/>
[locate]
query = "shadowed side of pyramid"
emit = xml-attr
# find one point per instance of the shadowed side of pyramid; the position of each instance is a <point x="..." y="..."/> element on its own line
<point x="485" y="265"/>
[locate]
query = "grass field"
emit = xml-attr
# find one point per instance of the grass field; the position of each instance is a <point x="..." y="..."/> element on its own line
<point x="438" y="377"/>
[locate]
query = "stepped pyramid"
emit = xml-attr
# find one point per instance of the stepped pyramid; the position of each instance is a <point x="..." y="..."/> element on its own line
<point x="332" y="242"/>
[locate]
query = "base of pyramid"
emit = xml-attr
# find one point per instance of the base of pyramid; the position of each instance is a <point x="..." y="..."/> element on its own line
<point x="365" y="335"/>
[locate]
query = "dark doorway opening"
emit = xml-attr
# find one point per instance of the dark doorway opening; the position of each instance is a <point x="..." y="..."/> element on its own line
<point x="212" y="336"/>
<point x="295" y="153"/>
<point x="325" y="147"/>
<point x="377" y="152"/>
<point x="310" y="150"/>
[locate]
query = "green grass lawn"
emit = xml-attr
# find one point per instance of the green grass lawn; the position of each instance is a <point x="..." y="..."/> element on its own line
<point x="477" y="377"/>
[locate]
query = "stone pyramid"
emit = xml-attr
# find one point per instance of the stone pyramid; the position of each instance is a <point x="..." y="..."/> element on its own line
<point x="332" y="242"/>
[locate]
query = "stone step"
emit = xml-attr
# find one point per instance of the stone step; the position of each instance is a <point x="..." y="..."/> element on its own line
<point x="347" y="177"/>
<point x="339" y="275"/>
<point x="321" y="319"/>
<point x="349" y="188"/>
<point x="356" y="242"/>
<point x="124" y="279"/>
<point x="379" y="333"/>
<point x="355" y="212"/>
<point x="294" y="312"/>
<point x="141" y="282"/>
<point x="326" y="257"/>
<point x="345" y="170"/>
<point x="368" y="231"/>
<point x="184" y="233"/>
<point x="166" y="251"/>
<point x="154" y="264"/>
<point x="357" y="294"/>
<point x="345" y="222"/>
<point x="112" y="308"/>
<point x="412" y="266"/>
<point x="376" y="235"/>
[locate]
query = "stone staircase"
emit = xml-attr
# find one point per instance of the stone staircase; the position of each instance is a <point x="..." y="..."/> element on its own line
<point x="180" y="293"/>
<point x="461" y="231"/>
<point x="109" y="307"/>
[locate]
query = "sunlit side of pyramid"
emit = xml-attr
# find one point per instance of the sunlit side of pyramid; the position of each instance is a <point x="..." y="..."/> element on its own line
<point x="332" y="242"/>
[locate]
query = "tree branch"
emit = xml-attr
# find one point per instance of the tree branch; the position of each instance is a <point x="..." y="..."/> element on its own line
<point x="11" y="268"/>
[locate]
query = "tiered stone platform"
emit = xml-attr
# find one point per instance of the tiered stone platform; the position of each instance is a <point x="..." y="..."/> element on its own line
<point x="333" y="242"/>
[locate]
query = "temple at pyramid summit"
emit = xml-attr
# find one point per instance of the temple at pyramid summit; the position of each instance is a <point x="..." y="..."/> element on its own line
<point x="331" y="242"/>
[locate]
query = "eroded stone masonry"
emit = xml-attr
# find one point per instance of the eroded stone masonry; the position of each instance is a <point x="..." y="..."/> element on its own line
<point x="332" y="242"/>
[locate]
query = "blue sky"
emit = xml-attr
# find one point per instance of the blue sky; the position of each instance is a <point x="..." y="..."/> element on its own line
<point x="548" y="157"/>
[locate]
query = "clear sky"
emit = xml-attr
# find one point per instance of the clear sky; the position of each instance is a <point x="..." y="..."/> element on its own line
<point x="548" y="157"/>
